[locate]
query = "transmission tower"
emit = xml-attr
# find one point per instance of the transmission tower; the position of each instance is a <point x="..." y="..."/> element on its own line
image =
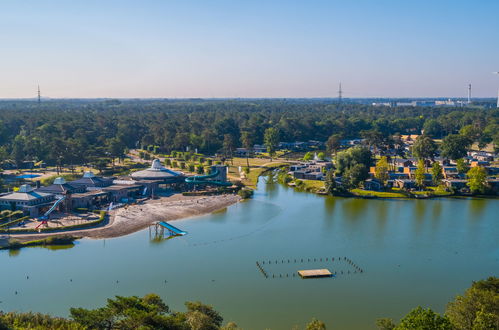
<point x="340" y="94"/>
<point x="39" y="95"/>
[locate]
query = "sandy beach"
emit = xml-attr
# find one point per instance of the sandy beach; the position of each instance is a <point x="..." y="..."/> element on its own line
<point x="132" y="218"/>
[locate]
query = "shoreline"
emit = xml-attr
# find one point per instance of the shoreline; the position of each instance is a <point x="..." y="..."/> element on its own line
<point x="132" y="218"/>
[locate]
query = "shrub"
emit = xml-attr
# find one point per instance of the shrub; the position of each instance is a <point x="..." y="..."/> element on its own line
<point x="210" y="162"/>
<point x="168" y="162"/>
<point x="200" y="169"/>
<point x="191" y="167"/>
<point x="245" y="193"/>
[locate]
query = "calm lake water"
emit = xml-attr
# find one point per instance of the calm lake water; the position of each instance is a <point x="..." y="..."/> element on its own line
<point x="412" y="253"/>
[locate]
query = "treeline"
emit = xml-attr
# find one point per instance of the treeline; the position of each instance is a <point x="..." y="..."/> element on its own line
<point x="75" y="132"/>
<point x="476" y="309"/>
<point x="148" y="312"/>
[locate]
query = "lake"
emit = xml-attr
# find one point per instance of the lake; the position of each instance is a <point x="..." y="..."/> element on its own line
<point x="412" y="252"/>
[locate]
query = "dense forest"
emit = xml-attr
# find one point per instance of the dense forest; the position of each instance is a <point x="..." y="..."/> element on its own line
<point x="79" y="131"/>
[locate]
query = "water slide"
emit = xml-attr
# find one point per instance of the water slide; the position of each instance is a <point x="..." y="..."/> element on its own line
<point x="172" y="229"/>
<point x="204" y="179"/>
<point x="46" y="215"/>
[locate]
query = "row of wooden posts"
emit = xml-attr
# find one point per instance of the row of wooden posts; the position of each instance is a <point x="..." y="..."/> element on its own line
<point x="302" y="260"/>
<point x="356" y="268"/>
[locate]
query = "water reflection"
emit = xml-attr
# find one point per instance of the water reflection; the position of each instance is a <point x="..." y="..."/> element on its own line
<point x="270" y="184"/>
<point x="477" y="207"/>
<point x="14" y="252"/>
<point x="354" y="208"/>
<point x="329" y="205"/>
<point x="436" y="211"/>
<point x="381" y="216"/>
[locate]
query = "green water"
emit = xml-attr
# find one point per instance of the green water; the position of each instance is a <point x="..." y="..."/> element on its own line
<point x="412" y="253"/>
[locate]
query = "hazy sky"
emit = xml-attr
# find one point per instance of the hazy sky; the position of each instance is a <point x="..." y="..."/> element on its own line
<point x="253" y="48"/>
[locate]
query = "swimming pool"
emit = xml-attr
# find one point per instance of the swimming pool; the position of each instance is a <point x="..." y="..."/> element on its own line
<point x="27" y="176"/>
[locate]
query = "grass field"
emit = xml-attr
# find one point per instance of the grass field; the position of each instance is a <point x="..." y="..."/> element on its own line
<point x="380" y="194"/>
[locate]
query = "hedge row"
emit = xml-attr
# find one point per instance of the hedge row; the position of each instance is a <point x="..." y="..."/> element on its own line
<point x="13" y="222"/>
<point x="102" y="217"/>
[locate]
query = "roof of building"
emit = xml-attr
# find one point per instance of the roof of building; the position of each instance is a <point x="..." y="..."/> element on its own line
<point x="25" y="193"/>
<point x="58" y="187"/>
<point x="89" y="193"/>
<point x="115" y="187"/>
<point x="90" y="180"/>
<point x="156" y="171"/>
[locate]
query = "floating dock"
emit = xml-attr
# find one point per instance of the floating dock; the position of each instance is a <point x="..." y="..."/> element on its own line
<point x="314" y="273"/>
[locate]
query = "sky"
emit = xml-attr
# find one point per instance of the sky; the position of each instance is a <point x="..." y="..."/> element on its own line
<point x="250" y="48"/>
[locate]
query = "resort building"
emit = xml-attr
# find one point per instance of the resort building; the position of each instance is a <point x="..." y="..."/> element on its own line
<point x="156" y="177"/>
<point x="26" y="199"/>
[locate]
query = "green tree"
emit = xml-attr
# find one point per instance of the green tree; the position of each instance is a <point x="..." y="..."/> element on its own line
<point x="355" y="175"/>
<point x="486" y="321"/>
<point x="271" y="140"/>
<point x="471" y="132"/>
<point x="385" y="324"/>
<point x="351" y="157"/>
<point x="247" y="142"/>
<point x="477" y="179"/>
<point x="230" y="326"/>
<point x="375" y="139"/>
<point x="36" y="321"/>
<point x="477" y="308"/>
<point x="148" y="312"/>
<point x="455" y="146"/>
<point x="420" y="174"/>
<point x="424" y="319"/>
<point x="381" y="170"/>
<point x="321" y="155"/>
<point x="424" y="147"/>
<point x="461" y="166"/>
<point x="436" y="173"/>
<point x="308" y="156"/>
<point x="212" y="319"/>
<point x="115" y="148"/>
<point x="316" y="325"/>
<point x="17" y="153"/>
<point x="330" y="183"/>
<point x="432" y="128"/>
<point x="333" y="143"/>
<point x="229" y="145"/>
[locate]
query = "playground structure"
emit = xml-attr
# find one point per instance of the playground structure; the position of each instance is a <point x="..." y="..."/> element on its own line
<point x="45" y="217"/>
<point x="217" y="177"/>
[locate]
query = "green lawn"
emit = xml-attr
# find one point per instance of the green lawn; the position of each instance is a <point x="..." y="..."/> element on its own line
<point x="380" y="194"/>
